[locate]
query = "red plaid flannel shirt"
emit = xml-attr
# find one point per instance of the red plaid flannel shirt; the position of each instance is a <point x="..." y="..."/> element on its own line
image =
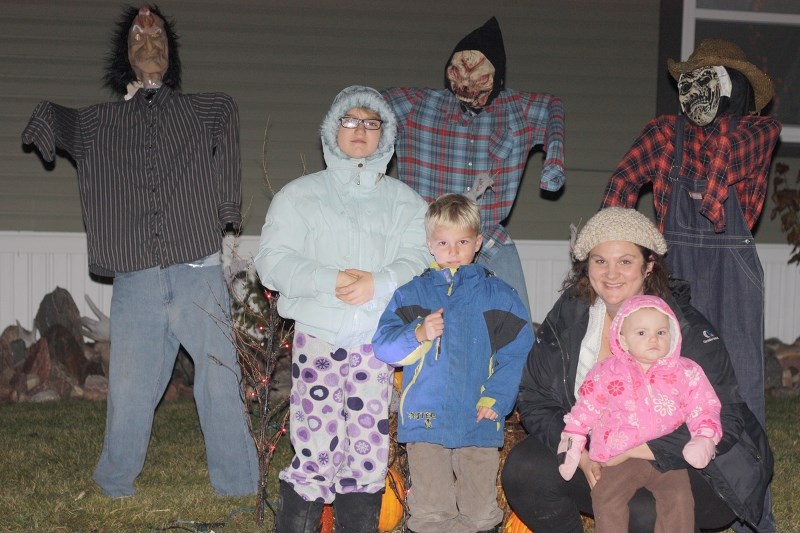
<point x="740" y="158"/>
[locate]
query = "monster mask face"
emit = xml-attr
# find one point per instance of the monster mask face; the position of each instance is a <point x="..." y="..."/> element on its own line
<point x="699" y="92"/>
<point x="471" y="78"/>
<point x="148" y="51"/>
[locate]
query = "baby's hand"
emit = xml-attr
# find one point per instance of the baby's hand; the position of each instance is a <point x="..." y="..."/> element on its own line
<point x="486" y="412"/>
<point x="569" y="454"/>
<point x="432" y="326"/>
<point x="699" y="451"/>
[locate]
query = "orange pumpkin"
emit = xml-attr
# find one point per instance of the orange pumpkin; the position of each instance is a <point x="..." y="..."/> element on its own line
<point x="392" y="504"/>
<point x="515" y="525"/>
<point x="326" y="520"/>
<point x="398" y="379"/>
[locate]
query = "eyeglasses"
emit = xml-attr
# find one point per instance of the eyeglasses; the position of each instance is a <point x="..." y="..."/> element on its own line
<point x="353" y="122"/>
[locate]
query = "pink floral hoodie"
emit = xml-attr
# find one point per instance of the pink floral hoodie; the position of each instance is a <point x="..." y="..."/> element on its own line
<point x="623" y="406"/>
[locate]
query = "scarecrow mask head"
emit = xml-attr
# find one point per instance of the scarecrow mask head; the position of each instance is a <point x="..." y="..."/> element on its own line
<point x="471" y="77"/>
<point x="148" y="51"/>
<point x="476" y="69"/>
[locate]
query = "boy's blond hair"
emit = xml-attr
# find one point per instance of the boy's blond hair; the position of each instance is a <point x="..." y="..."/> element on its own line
<point x="453" y="211"/>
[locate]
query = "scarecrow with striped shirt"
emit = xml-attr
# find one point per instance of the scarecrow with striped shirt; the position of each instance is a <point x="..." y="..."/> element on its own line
<point x="160" y="182"/>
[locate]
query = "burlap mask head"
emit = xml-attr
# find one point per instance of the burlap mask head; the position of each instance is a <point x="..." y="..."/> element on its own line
<point x="476" y="70"/>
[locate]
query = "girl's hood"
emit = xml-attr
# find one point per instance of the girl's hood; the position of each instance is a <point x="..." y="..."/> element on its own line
<point x="359" y="96"/>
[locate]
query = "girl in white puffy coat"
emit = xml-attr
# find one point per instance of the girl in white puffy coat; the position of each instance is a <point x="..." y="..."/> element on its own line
<point x="336" y="244"/>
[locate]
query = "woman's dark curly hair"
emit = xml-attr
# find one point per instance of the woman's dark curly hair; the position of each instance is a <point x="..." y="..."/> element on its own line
<point x="119" y="72"/>
<point x="656" y="283"/>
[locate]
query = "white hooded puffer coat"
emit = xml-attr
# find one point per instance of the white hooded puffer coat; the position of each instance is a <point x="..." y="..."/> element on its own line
<point x="350" y="215"/>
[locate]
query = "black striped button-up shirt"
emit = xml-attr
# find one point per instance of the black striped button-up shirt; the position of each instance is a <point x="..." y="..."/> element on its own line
<point x="159" y="179"/>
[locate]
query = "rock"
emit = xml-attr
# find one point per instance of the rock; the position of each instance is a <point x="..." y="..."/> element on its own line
<point x="6" y="355"/>
<point x="32" y="381"/>
<point x="46" y="395"/>
<point x="58" y="307"/>
<point x="17" y="332"/>
<point x="38" y="361"/>
<point x="66" y="350"/>
<point x="773" y="373"/>
<point x="7" y="394"/>
<point x="177" y="390"/>
<point x="98" y="355"/>
<point x="95" y="387"/>
<point x="6" y="376"/>
<point x="58" y="371"/>
<point x="171" y="393"/>
<point x="184" y="368"/>
<point x="20" y="352"/>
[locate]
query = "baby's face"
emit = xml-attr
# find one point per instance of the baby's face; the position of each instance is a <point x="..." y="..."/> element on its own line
<point x="645" y="334"/>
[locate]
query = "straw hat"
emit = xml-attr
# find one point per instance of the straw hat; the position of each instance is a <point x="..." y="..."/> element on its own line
<point x="711" y="52"/>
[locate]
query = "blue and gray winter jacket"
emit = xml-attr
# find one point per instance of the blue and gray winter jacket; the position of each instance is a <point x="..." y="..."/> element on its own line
<point x="476" y="362"/>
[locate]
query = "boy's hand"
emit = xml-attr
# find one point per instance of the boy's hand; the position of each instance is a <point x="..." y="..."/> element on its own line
<point x="432" y="326"/>
<point x="360" y="291"/>
<point x="486" y="412"/>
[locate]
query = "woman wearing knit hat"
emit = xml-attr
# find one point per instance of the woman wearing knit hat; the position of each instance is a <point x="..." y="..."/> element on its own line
<point x="619" y="254"/>
<point x="709" y="171"/>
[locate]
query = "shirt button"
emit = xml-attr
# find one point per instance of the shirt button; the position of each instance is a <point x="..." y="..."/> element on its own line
<point x="360" y="165"/>
<point x="469" y="164"/>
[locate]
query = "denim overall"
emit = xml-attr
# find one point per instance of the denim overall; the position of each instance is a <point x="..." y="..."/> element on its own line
<point x="724" y="271"/>
<point x="726" y="278"/>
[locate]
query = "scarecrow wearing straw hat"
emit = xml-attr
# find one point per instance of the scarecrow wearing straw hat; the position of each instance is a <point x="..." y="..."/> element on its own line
<point x="709" y="170"/>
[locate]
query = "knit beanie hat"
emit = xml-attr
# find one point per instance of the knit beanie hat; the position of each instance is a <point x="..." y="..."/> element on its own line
<point x="618" y="224"/>
<point x="487" y="40"/>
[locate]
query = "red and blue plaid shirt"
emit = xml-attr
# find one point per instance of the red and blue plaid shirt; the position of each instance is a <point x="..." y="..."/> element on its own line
<point x="441" y="149"/>
<point x="740" y="158"/>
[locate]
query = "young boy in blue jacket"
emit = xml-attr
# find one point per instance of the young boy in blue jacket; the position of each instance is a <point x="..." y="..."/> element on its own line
<point x="463" y="336"/>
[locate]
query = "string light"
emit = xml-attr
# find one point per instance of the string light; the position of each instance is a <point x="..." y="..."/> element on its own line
<point x="260" y="336"/>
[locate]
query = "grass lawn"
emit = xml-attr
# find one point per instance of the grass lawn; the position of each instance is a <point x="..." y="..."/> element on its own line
<point x="49" y="451"/>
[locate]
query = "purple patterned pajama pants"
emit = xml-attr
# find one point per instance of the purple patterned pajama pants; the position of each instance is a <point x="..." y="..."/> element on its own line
<point x="339" y="419"/>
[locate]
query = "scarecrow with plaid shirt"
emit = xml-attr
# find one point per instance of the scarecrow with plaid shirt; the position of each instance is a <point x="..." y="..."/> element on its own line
<point x="709" y="170"/>
<point x="474" y="138"/>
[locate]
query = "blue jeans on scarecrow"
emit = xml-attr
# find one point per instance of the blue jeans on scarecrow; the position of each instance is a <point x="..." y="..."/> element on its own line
<point x="506" y="265"/>
<point x="153" y="312"/>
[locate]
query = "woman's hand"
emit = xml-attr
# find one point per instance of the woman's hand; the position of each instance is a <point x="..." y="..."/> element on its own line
<point x="359" y="291"/>
<point x="591" y="469"/>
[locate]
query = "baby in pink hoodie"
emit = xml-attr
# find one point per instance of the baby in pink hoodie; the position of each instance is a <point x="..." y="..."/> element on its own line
<point x="643" y="391"/>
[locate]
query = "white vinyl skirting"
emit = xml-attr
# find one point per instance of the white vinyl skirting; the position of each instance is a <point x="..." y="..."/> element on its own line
<point x="33" y="264"/>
